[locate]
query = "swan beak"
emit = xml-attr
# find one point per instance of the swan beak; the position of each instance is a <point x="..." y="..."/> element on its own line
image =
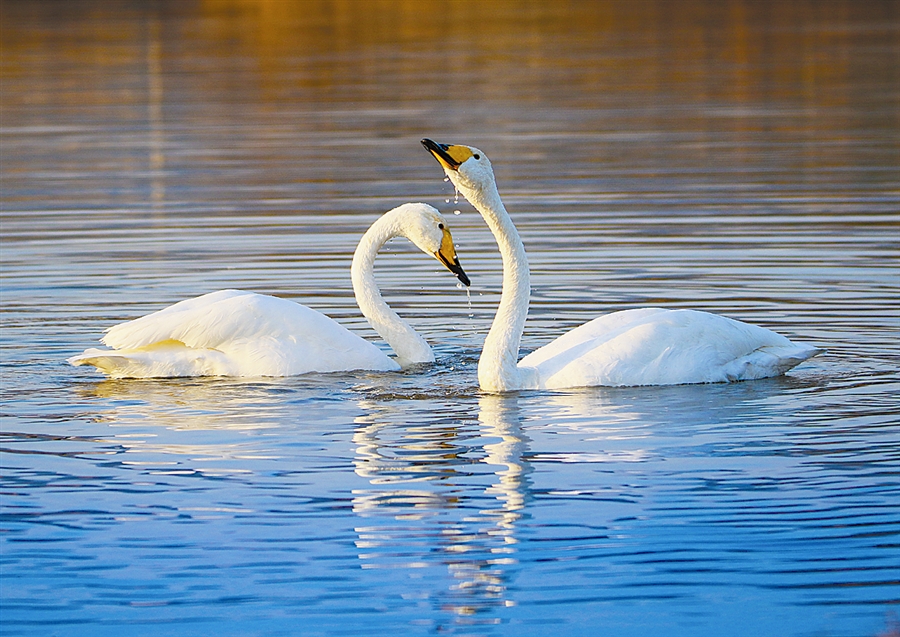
<point x="447" y="256"/>
<point x="450" y="157"/>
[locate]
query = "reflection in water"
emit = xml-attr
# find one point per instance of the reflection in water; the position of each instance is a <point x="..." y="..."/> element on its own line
<point x="202" y="427"/>
<point x="737" y="157"/>
<point x="500" y="417"/>
<point x="186" y="404"/>
<point x="477" y="541"/>
<point x="625" y="425"/>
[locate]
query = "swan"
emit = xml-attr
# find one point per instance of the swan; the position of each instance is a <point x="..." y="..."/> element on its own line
<point x="238" y="333"/>
<point x="647" y="346"/>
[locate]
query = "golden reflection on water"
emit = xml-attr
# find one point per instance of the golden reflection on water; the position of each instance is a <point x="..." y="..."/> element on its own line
<point x="312" y="51"/>
<point x="155" y="98"/>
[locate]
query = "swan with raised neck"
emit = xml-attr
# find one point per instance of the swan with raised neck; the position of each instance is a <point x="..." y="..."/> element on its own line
<point x="645" y="346"/>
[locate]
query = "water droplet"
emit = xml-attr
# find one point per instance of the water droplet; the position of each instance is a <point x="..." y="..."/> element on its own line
<point x="446" y="179"/>
<point x="447" y="200"/>
<point x="456" y="212"/>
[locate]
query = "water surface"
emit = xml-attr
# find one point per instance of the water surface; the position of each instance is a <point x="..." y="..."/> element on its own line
<point x="737" y="157"/>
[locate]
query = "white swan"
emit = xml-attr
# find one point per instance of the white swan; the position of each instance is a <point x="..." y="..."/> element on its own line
<point x="237" y="333"/>
<point x="649" y="346"/>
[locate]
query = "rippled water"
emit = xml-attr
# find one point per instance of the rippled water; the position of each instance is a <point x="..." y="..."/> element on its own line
<point x="734" y="157"/>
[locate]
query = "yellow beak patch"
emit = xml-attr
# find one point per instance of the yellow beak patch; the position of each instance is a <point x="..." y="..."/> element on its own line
<point x="449" y="156"/>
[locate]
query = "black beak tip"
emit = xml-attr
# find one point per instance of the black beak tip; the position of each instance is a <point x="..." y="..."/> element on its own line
<point x="440" y="153"/>
<point x="463" y="277"/>
<point x="433" y="147"/>
<point x="455" y="268"/>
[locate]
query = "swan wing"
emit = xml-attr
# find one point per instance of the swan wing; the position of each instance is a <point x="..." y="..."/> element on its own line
<point x="654" y="346"/>
<point x="236" y="333"/>
<point x="204" y="321"/>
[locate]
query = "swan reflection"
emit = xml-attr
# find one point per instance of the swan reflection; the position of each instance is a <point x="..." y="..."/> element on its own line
<point x="501" y="418"/>
<point x="204" y="426"/>
<point x="419" y="476"/>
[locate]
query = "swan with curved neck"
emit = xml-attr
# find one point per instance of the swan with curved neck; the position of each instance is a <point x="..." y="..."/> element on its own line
<point x="238" y="333"/>
<point x="647" y="346"/>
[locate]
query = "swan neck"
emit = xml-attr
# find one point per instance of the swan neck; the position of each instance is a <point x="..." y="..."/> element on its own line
<point x="407" y="344"/>
<point x="497" y="367"/>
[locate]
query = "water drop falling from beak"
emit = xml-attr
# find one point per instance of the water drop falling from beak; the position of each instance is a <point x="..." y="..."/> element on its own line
<point x="468" y="297"/>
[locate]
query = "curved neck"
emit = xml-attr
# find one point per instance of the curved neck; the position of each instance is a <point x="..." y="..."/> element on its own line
<point x="497" y="367"/>
<point x="403" y="339"/>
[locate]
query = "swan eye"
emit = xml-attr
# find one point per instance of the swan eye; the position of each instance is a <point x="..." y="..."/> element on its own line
<point x="440" y="226"/>
<point x="476" y="156"/>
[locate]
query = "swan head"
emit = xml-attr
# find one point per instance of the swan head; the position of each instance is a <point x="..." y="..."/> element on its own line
<point x="428" y="230"/>
<point x="467" y="167"/>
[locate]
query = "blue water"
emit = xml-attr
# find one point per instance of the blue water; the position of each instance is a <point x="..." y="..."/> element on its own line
<point x="738" y="158"/>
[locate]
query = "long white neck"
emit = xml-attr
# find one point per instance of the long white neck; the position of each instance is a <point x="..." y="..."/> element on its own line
<point x="403" y="339"/>
<point x="497" y="370"/>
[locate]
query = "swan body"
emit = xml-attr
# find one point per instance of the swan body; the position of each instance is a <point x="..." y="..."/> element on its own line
<point x="238" y="333"/>
<point x="648" y="346"/>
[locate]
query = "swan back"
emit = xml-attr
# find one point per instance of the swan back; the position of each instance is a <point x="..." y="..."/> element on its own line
<point x="233" y="333"/>
<point x="653" y="346"/>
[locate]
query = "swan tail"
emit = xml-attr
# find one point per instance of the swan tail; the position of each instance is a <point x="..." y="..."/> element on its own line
<point x="105" y="361"/>
<point x="168" y="359"/>
<point x="790" y="359"/>
<point x="767" y="362"/>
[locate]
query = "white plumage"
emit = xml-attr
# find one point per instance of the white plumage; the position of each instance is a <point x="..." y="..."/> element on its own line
<point x="649" y="346"/>
<point x="653" y="346"/>
<point x="238" y="333"/>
